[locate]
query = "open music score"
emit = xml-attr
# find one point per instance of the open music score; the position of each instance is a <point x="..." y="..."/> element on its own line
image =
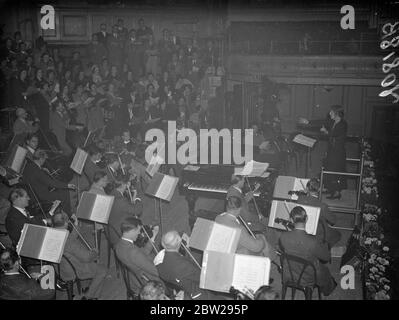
<point x="253" y="169"/>
<point x="79" y="160"/>
<point x="209" y="235"/>
<point x="154" y="165"/>
<point x="285" y="184"/>
<point x="42" y="243"/>
<point x="162" y="186"/>
<point x="304" y="140"/>
<point x="221" y="271"/>
<point x="281" y="210"/>
<point x="16" y="160"/>
<point x="95" y="207"/>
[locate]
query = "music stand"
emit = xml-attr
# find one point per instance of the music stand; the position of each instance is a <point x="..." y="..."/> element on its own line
<point x="161" y="187"/>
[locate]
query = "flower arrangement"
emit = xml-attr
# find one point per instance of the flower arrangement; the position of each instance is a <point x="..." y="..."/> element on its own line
<point x="377" y="259"/>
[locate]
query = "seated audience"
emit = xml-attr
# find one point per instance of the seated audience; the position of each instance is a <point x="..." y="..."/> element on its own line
<point x="17" y="286"/>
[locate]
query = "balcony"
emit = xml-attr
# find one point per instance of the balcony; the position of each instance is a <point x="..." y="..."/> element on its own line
<point x="278" y="48"/>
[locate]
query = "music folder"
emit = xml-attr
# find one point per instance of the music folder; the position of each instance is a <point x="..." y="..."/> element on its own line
<point x="304" y="140"/>
<point x="281" y="210"/>
<point x="221" y="271"/>
<point x="42" y="243"/>
<point x="209" y="235"/>
<point x="79" y="161"/>
<point x="162" y="186"/>
<point x="155" y="162"/>
<point x="95" y="207"/>
<point x="253" y="169"/>
<point x="16" y="160"/>
<point x="284" y="184"/>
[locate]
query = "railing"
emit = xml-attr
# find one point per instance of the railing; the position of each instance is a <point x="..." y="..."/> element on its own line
<point x="363" y="47"/>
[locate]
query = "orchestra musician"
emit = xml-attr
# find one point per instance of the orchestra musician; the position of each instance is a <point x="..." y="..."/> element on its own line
<point x="92" y="163"/>
<point x="45" y="187"/>
<point x="327" y="218"/>
<point x="59" y="124"/>
<point x="247" y="244"/>
<point x="122" y="208"/>
<point x="236" y="190"/>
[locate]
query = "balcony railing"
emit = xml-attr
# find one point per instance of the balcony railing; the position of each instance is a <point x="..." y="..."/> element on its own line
<point x="364" y="47"/>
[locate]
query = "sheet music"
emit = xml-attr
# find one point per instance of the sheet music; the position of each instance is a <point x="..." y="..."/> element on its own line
<point x="154" y="165"/>
<point x="53" y="245"/>
<point x="281" y="209"/>
<point x="254" y="168"/>
<point x="79" y="161"/>
<point x="167" y="187"/>
<point x="299" y="185"/>
<point x="18" y="160"/>
<point x="223" y="239"/>
<point x="101" y="208"/>
<point x="250" y="272"/>
<point x="304" y="140"/>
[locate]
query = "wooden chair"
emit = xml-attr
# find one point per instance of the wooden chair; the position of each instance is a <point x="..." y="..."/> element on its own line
<point x="126" y="274"/>
<point x="72" y="282"/>
<point x="294" y="280"/>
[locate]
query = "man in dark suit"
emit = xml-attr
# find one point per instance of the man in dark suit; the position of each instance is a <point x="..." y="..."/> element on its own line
<point x="298" y="243"/>
<point x="138" y="260"/>
<point x="247" y="244"/>
<point x="122" y="208"/>
<point x="236" y="190"/>
<point x="103" y="35"/>
<point x="91" y="164"/>
<point x="43" y="184"/>
<point x="82" y="259"/>
<point x="17" y="286"/>
<point x="179" y="270"/>
<point x="18" y="216"/>
<point x="324" y="232"/>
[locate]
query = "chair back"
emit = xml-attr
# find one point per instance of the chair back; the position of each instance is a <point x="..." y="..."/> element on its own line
<point x="126" y="274"/>
<point x="297" y="272"/>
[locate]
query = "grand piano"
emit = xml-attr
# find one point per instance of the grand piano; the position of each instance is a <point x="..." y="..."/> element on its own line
<point x="213" y="181"/>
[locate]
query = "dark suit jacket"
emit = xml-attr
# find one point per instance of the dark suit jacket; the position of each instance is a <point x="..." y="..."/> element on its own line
<point x="20" y="287"/>
<point x="181" y="271"/>
<point x="324" y="232"/>
<point x="138" y="260"/>
<point x="103" y="39"/>
<point x="89" y="169"/>
<point x="303" y="245"/>
<point x="15" y="221"/>
<point x="121" y="209"/>
<point x="40" y="181"/>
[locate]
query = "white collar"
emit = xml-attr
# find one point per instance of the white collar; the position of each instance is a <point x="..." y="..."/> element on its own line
<point x="128" y="240"/>
<point x="237" y="188"/>
<point x="30" y="149"/>
<point x="11" y="273"/>
<point x="22" y="210"/>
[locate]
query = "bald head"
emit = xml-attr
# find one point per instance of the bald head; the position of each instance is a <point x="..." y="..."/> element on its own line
<point x="171" y="241"/>
<point x="21" y="113"/>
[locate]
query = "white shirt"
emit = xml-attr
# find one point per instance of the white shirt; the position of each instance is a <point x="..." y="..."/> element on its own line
<point x="128" y="240"/>
<point x="23" y="211"/>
